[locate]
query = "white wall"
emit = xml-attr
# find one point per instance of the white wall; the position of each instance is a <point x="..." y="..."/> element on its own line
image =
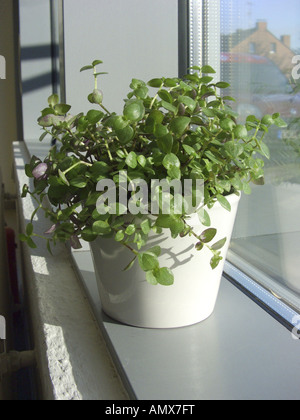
<point x="35" y="32"/>
<point x="134" y="39"/>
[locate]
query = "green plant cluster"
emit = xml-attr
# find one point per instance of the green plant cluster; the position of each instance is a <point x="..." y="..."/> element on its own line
<point x="171" y="128"/>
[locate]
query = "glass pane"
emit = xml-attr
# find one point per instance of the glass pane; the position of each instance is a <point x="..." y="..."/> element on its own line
<point x="260" y="41"/>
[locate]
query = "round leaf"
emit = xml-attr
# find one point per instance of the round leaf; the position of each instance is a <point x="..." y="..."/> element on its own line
<point x="171" y="160"/>
<point x="151" y="279"/>
<point x="134" y="110"/>
<point x="101" y="228"/>
<point x="179" y="125"/>
<point x="125" y="135"/>
<point x="240" y="131"/>
<point x="164" y="276"/>
<point x="208" y="235"/>
<point x="156" y="83"/>
<point x="131" y="160"/>
<point x="148" y="261"/>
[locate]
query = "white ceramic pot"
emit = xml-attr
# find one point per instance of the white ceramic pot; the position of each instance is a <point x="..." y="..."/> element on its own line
<point x="128" y="298"/>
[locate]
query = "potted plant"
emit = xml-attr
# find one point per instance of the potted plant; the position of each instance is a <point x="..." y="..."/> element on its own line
<point x="154" y="190"/>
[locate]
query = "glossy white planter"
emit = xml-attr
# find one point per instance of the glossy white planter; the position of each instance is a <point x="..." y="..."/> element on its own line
<point x="128" y="298"/>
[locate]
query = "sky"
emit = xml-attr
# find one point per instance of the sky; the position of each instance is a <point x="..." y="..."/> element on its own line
<point x="282" y="16"/>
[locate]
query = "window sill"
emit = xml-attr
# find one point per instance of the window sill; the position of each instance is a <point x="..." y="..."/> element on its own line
<point x="239" y="353"/>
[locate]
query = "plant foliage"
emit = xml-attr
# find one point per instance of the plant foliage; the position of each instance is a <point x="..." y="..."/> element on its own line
<point x="171" y="128"/>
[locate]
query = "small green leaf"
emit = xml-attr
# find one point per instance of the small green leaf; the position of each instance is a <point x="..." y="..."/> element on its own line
<point x="95" y="62"/>
<point x="62" y="176"/>
<point x="173" y="222"/>
<point x="174" y="172"/>
<point x="169" y="107"/>
<point x="214" y="262"/>
<point x="222" y="85"/>
<point x="24" y="191"/>
<point x="259" y="181"/>
<point x="267" y="120"/>
<point x="204" y="217"/>
<point x="165" y="143"/>
<point x="246" y="188"/>
<point x="86" y="68"/>
<point x="179" y="124"/>
<point x="265" y="150"/>
<point x="208" y="235"/>
<point x="224" y="202"/>
<point x="130" y="230"/>
<point x="227" y="124"/>
<point x="170" y="82"/>
<point x="62" y="109"/>
<point x="142" y="160"/>
<point x="125" y="135"/>
<point x="189" y="102"/>
<point x="130" y="265"/>
<point x="240" y="131"/>
<point x="49" y="247"/>
<point x="165" y="96"/>
<point x="53" y="100"/>
<point x="189" y="150"/>
<point x="31" y="244"/>
<point x="119" y="236"/>
<point x="79" y="182"/>
<point x="160" y="130"/>
<point x="279" y="122"/>
<point x="199" y="246"/>
<point x="148" y="261"/>
<point x="29" y="229"/>
<point x="146" y="226"/>
<point x="101" y="228"/>
<point x="218" y="245"/>
<point x="22" y="237"/>
<point x="88" y="235"/>
<point x="131" y="160"/>
<point x="208" y="70"/>
<point x="134" y="110"/>
<point x="155" y="250"/>
<point x="43" y="136"/>
<point x="151" y="279"/>
<point x="156" y="83"/>
<point x="93" y="116"/>
<point x="171" y="160"/>
<point x="164" y="276"/>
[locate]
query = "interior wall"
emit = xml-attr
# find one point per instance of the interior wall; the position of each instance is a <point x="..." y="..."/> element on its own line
<point x="9" y="117"/>
<point x="36" y="63"/>
<point x="134" y="39"/>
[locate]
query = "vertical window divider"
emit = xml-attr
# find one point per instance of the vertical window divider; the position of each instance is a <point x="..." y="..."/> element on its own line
<point x="196" y="32"/>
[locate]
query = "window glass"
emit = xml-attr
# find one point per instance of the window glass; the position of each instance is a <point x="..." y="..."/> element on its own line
<point x="260" y="58"/>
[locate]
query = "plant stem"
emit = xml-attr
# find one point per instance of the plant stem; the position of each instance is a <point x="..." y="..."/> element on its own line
<point x="105" y="109"/>
<point x="76" y="164"/>
<point x="130" y="248"/>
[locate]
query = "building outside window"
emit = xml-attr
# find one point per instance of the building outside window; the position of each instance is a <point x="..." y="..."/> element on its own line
<point x="252" y="48"/>
<point x="266" y="241"/>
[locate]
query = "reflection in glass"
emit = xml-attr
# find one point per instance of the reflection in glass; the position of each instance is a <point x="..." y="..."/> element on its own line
<point x="259" y="40"/>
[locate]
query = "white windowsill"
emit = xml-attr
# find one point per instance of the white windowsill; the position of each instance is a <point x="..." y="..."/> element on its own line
<point x="240" y="352"/>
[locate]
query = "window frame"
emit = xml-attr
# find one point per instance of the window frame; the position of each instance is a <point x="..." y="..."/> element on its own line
<point x="201" y="14"/>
